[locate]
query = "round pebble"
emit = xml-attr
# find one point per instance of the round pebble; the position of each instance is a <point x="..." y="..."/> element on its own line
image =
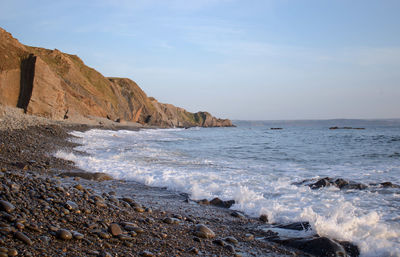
<point x="64" y="234"/>
<point x="203" y="231"/>
<point x="6" y="206"/>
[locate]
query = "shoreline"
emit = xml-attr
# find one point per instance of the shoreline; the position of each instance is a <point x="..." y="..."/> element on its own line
<point x="45" y="213"/>
<point x="171" y="223"/>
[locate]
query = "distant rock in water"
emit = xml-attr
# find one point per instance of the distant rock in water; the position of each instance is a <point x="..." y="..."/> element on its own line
<point x="333" y="128"/>
<point x="58" y="86"/>
<point x="276" y="128"/>
<point x="326" y="182"/>
<point x="343" y="184"/>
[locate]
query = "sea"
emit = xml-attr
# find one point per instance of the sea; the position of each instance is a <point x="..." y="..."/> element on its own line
<point x="266" y="171"/>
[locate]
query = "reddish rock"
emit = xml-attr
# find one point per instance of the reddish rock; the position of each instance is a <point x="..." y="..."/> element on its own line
<point x="58" y="86"/>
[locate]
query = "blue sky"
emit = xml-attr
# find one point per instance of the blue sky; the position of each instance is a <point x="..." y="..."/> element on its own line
<point x="271" y="59"/>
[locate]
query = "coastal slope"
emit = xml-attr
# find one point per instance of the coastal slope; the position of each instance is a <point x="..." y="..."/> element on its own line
<point x="59" y="86"/>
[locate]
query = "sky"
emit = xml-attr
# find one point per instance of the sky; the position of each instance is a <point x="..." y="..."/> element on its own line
<point x="252" y="60"/>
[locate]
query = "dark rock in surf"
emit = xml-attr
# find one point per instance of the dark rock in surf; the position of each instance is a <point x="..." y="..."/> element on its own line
<point x="389" y="185"/>
<point x="296" y="226"/>
<point x="325" y="182"/>
<point x="340" y="183"/>
<point x="319" y="246"/>
<point x="203" y="202"/>
<point x="351" y="249"/>
<point x="333" y="128"/>
<point x="354" y="185"/>
<point x="264" y="218"/>
<point x="220" y="203"/>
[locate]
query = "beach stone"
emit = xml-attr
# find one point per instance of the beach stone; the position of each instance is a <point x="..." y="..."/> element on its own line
<point x="104" y="235"/>
<point x="6" y="206"/>
<point x="96" y="197"/>
<point x="231" y="240"/>
<point x="6" y="230"/>
<point x="93" y="252"/>
<point x="105" y="254"/>
<point x="138" y="230"/>
<point x="24" y="238"/>
<point x="149" y="220"/>
<point x="44" y="239"/>
<point x="100" y="204"/>
<point x="128" y="224"/>
<point x="203" y="231"/>
<point x="320" y="246"/>
<point x="147" y="254"/>
<point x="70" y="205"/>
<point x="139" y="209"/>
<point x="177" y="216"/>
<point x="128" y="200"/>
<point x="230" y="248"/>
<point x="99" y="176"/>
<point x="193" y="250"/>
<point x="12" y="252"/>
<point x="77" y="235"/>
<point x="130" y="227"/>
<point x="128" y="244"/>
<point x="219" y="242"/>
<point x="169" y="220"/>
<point x="220" y="203"/>
<point x="19" y="226"/>
<point x="79" y="187"/>
<point x="64" y="234"/>
<point x="115" y="229"/>
<point x="125" y="237"/>
<point x="249" y="237"/>
<point x="238" y="215"/>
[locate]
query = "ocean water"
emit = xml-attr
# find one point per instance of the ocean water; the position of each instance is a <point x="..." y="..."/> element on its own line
<point x="260" y="169"/>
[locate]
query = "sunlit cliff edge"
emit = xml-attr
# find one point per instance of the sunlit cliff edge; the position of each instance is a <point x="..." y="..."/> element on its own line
<point x="59" y="86"/>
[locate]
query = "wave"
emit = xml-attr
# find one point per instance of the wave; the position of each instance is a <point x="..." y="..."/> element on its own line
<point x="146" y="157"/>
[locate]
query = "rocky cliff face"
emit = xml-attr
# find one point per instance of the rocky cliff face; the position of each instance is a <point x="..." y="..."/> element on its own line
<point x="57" y="85"/>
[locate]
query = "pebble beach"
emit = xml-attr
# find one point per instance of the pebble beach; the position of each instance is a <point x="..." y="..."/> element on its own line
<point x="51" y="208"/>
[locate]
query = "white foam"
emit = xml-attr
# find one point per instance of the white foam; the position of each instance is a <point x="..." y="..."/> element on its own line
<point x="139" y="156"/>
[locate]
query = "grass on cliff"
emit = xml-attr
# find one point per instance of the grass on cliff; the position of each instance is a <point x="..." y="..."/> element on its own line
<point x="87" y="78"/>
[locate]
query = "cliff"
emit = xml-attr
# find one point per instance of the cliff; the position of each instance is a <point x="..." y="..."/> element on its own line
<point x="56" y="85"/>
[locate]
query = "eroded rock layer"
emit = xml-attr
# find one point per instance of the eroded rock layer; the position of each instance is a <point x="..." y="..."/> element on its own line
<point x="56" y="85"/>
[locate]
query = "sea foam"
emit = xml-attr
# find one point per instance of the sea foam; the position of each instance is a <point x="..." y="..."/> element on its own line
<point x="152" y="158"/>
